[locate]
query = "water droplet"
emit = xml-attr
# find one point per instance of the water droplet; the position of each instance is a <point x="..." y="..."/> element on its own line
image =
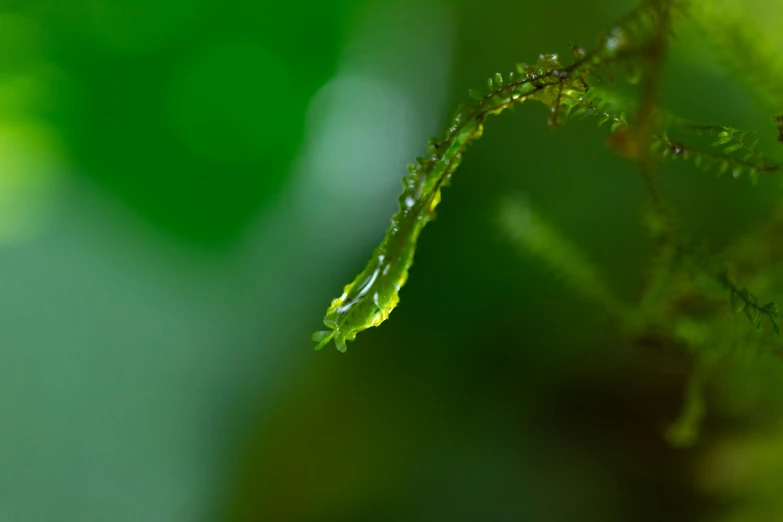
<point x="616" y="40"/>
<point x="676" y="148"/>
<point x="548" y="59"/>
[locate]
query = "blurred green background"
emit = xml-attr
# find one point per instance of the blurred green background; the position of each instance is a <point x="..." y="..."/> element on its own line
<point x="184" y="186"/>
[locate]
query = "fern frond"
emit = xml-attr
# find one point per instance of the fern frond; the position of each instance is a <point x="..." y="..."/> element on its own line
<point x="733" y="150"/>
<point x="701" y="261"/>
<point x="724" y="159"/>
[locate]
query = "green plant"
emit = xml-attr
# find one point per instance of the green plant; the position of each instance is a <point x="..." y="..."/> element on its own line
<point x="640" y="130"/>
<point x="690" y="292"/>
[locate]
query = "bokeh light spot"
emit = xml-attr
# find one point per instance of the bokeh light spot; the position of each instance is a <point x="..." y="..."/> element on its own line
<point x="28" y="172"/>
<point x="29" y="147"/>
<point x="370" y="118"/>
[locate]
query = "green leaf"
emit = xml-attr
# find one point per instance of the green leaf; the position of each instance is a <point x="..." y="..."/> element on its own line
<point x="723" y="137"/>
<point x="322" y="338"/>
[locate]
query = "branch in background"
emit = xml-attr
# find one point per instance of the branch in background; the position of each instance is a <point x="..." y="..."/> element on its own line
<point x="645" y="125"/>
<point x="530" y="233"/>
<point x="684" y="431"/>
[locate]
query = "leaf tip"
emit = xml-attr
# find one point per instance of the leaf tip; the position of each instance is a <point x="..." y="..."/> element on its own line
<point x="322" y="338"/>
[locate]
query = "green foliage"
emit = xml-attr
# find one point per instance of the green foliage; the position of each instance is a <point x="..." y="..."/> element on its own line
<point x="587" y="87"/>
<point x="374" y="293"/>
<point x="730" y="150"/>
<point x="695" y="302"/>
